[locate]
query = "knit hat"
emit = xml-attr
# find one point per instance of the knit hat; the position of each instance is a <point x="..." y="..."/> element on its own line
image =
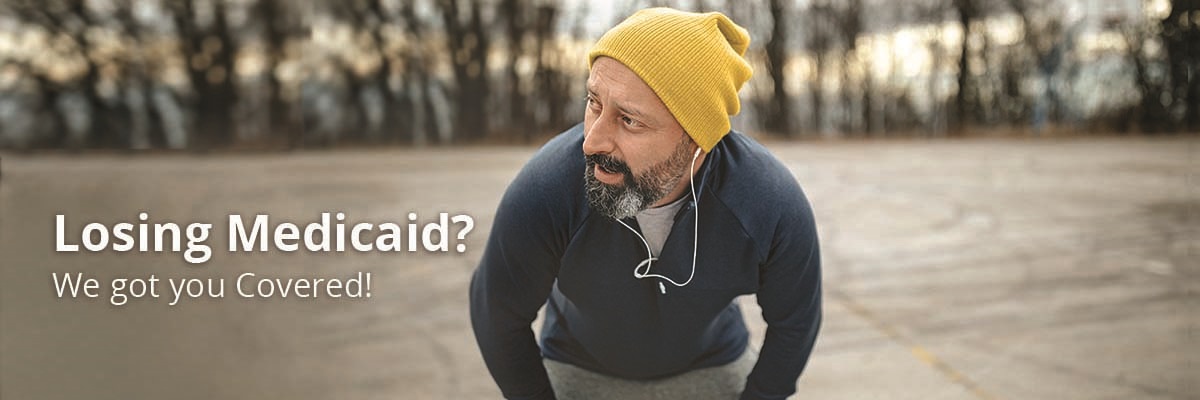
<point x="693" y="62"/>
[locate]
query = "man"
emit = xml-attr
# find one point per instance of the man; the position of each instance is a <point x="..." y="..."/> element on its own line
<point x="638" y="229"/>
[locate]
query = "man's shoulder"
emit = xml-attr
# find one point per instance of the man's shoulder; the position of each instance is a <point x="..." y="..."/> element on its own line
<point x="758" y="188"/>
<point x="553" y="176"/>
<point x="750" y="172"/>
<point x="564" y="150"/>
<point x="558" y="162"/>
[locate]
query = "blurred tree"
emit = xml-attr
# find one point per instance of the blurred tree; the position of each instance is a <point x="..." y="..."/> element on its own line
<point x="1163" y="55"/>
<point x="75" y="95"/>
<point x="469" y="44"/>
<point x="1180" y="34"/>
<point x="208" y="51"/>
<point x="515" y="16"/>
<point x="1150" y="113"/>
<point x="968" y="14"/>
<point x="778" y="117"/>
<point x="133" y="78"/>
<point x="1046" y="39"/>
<point x="424" y="93"/>
<point x="820" y="41"/>
<point x="369" y="87"/>
<point x="553" y="85"/>
<point x="280" y="26"/>
<point x="938" y="118"/>
<point x="849" y="23"/>
<point x="217" y="73"/>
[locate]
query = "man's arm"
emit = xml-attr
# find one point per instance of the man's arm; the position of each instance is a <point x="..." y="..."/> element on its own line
<point x="513" y="280"/>
<point x="790" y="296"/>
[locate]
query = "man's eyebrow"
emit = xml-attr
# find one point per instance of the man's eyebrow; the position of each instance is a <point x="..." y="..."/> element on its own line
<point x="631" y="111"/>
<point x="624" y="108"/>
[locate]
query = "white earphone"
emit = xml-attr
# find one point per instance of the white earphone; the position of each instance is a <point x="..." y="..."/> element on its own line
<point x="642" y="270"/>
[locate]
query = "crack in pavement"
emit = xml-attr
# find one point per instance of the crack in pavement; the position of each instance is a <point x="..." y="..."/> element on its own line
<point x="918" y="351"/>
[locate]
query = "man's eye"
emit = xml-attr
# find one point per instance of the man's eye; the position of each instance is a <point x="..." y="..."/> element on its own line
<point x="628" y="121"/>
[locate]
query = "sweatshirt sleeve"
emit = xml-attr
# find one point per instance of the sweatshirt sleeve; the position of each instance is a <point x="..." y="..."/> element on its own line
<point x="790" y="296"/>
<point x="513" y="280"/>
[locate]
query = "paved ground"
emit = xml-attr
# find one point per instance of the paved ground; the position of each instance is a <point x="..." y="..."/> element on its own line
<point x="983" y="269"/>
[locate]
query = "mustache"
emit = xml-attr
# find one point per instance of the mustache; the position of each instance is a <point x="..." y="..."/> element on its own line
<point x="609" y="163"/>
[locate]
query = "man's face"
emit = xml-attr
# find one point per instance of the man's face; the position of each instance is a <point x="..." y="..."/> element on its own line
<point x="637" y="153"/>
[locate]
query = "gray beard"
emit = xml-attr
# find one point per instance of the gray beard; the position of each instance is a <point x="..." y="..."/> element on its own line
<point x="636" y="193"/>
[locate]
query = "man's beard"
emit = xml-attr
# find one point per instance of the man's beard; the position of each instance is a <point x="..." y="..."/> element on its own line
<point x="636" y="193"/>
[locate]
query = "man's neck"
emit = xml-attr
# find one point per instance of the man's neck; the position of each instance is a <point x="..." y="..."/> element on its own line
<point x="683" y="186"/>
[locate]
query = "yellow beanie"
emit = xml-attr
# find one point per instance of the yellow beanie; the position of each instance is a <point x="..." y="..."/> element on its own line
<point x="693" y="62"/>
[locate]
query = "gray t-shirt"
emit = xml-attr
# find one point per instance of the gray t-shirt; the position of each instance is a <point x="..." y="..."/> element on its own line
<point x="656" y="224"/>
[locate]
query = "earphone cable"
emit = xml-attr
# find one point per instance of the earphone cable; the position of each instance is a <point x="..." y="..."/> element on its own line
<point x="649" y="261"/>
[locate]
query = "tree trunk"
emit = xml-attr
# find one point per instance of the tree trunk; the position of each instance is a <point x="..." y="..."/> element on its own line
<point x="778" y="118"/>
<point x="962" y="99"/>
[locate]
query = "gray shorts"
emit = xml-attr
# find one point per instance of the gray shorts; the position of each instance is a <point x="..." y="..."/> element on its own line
<point x="724" y="382"/>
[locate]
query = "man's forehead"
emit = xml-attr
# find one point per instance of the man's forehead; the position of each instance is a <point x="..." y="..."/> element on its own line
<point x="608" y="76"/>
<point x="607" y="71"/>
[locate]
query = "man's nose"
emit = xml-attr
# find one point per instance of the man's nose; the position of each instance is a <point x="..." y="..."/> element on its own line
<point x="598" y="138"/>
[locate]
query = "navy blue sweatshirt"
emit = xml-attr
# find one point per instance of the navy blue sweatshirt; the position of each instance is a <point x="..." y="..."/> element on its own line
<point x="756" y="235"/>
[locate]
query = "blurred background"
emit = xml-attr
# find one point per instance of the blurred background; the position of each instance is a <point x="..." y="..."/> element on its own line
<point x="1007" y="191"/>
<point x="138" y="74"/>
